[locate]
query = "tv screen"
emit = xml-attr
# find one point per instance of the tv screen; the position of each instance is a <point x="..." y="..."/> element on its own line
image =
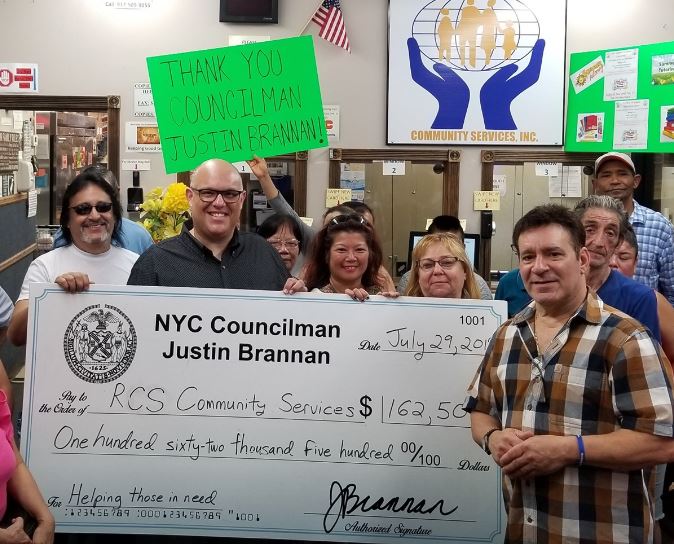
<point x="470" y="241"/>
<point x="249" y="11"/>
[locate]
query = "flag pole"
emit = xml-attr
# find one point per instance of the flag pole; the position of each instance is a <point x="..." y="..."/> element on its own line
<point x="310" y="18"/>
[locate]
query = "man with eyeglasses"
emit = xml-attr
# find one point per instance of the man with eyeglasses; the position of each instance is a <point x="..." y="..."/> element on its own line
<point x="211" y="252"/>
<point x="90" y="221"/>
<point x="573" y="400"/>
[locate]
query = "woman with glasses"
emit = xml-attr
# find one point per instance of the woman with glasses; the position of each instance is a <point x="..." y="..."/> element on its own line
<point x="441" y="269"/>
<point x="345" y="257"/>
<point x="285" y="236"/>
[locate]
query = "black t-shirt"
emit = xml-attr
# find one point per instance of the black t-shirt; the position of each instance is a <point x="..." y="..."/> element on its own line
<point x="248" y="262"/>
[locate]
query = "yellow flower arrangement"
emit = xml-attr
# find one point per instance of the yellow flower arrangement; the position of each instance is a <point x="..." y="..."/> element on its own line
<point x="164" y="211"/>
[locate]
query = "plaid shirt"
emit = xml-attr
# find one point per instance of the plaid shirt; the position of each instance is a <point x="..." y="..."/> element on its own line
<point x="655" y="237"/>
<point x="601" y="373"/>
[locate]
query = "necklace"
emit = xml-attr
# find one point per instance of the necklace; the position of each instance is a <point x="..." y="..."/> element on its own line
<point x="538" y="346"/>
<point x="335" y="290"/>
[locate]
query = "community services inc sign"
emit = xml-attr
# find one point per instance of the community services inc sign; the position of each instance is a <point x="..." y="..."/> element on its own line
<point x="483" y="72"/>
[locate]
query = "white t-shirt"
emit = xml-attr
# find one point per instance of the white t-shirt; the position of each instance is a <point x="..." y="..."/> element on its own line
<point x="112" y="267"/>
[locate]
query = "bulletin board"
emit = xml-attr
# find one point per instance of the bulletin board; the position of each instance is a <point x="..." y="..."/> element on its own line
<point x="621" y="99"/>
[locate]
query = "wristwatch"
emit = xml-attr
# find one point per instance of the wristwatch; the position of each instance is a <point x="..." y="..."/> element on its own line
<point x="485" y="439"/>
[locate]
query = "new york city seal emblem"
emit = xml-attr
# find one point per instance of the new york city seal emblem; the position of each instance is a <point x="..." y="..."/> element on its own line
<point x="100" y="343"/>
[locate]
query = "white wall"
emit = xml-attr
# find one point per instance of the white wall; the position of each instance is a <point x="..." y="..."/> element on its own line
<point x="83" y="48"/>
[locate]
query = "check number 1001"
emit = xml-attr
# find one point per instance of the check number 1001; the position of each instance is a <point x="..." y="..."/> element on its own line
<point x="472" y="320"/>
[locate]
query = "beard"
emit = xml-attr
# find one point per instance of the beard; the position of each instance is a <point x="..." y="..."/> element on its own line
<point x="88" y="238"/>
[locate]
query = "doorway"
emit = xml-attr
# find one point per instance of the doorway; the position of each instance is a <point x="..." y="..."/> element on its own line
<point x="525" y="182"/>
<point x="71" y="132"/>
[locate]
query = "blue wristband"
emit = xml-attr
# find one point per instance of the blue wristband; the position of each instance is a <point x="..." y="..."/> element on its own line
<point x="581" y="450"/>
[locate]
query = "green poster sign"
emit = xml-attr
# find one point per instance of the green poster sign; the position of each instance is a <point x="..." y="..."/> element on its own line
<point x="235" y="102"/>
<point x="621" y="99"/>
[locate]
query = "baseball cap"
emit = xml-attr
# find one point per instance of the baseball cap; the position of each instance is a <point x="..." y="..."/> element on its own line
<point x="614" y="156"/>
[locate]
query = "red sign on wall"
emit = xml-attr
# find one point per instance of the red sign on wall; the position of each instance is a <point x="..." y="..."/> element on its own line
<point x="18" y="78"/>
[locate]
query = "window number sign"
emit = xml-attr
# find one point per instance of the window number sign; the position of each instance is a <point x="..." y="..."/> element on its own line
<point x="243" y="167"/>
<point x="547" y="169"/>
<point x="393" y="168"/>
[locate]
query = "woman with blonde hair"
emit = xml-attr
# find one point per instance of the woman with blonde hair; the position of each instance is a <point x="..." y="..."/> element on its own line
<point x="441" y="268"/>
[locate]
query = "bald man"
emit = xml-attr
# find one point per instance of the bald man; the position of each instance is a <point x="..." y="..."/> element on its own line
<point x="213" y="253"/>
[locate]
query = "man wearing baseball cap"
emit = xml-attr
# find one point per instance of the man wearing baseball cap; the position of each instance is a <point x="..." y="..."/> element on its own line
<point x="615" y="175"/>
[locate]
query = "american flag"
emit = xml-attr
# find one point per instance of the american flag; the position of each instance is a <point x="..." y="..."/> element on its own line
<point x="328" y="16"/>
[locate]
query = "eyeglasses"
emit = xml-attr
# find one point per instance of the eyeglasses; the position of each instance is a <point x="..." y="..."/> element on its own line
<point x="230" y="196"/>
<point x="429" y="264"/>
<point x="290" y="244"/>
<point x="85" y="208"/>
<point x="349" y="217"/>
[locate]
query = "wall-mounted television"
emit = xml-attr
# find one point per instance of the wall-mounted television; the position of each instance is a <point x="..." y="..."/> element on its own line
<point x="470" y="241"/>
<point x="249" y="11"/>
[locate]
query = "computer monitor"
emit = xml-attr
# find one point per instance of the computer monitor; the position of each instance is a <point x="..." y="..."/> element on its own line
<point x="471" y="243"/>
<point x="249" y="11"/>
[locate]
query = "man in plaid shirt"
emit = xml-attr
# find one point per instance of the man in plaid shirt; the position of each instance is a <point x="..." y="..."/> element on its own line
<point x="615" y="175"/>
<point x="572" y="400"/>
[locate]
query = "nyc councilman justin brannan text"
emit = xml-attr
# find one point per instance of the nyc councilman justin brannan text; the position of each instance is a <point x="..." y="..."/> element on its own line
<point x="244" y="351"/>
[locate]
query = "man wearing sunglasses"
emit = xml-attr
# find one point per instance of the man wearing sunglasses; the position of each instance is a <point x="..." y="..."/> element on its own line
<point x="132" y="236"/>
<point x="210" y="252"/>
<point x="90" y="221"/>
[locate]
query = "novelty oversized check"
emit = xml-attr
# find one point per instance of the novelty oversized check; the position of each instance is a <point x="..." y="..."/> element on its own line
<point x="254" y="414"/>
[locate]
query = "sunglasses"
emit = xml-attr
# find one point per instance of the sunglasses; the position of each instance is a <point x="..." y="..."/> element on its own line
<point x="85" y="208"/>
<point x="349" y="217"/>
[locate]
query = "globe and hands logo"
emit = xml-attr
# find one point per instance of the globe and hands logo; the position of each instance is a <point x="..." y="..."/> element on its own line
<point x="461" y="37"/>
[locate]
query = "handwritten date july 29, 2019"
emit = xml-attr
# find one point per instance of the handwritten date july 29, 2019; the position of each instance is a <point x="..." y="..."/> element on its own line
<point x="407" y="340"/>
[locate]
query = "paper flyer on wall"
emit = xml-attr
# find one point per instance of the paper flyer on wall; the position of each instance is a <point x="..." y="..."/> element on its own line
<point x="588" y="74"/>
<point x="352" y="176"/>
<point x="499" y="184"/>
<point x="568" y="184"/>
<point x="662" y="71"/>
<point x="590" y="127"/>
<point x="631" y="124"/>
<point x="142" y="137"/>
<point x="621" y="71"/>
<point x="667" y="122"/>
